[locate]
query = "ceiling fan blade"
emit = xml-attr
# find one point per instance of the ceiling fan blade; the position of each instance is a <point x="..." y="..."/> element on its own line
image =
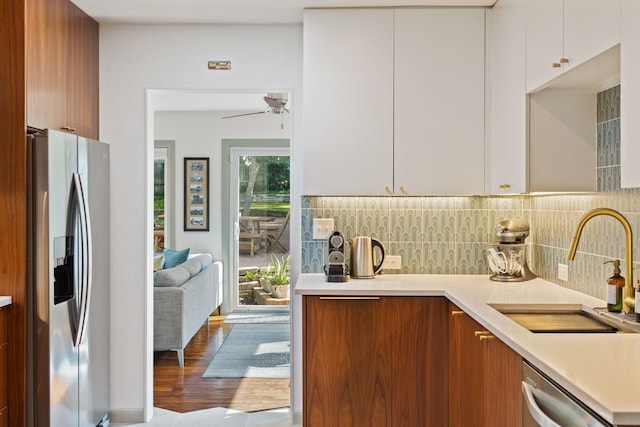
<point x="245" y="114"/>
<point x="274" y="103"/>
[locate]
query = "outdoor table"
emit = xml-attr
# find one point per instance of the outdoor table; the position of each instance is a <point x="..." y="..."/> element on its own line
<point x="253" y="235"/>
<point x="255" y="221"/>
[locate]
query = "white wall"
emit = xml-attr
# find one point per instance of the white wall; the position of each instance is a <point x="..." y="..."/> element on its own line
<point x="200" y="134"/>
<point x="133" y="60"/>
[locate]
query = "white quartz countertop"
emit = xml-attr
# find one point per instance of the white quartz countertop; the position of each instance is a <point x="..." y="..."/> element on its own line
<point x="601" y="370"/>
<point x="4" y="301"/>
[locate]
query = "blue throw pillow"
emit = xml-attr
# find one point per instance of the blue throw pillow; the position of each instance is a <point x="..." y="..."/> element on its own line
<point x="173" y="258"/>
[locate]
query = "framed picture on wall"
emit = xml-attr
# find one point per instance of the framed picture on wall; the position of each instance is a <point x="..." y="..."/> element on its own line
<point x="196" y="194"/>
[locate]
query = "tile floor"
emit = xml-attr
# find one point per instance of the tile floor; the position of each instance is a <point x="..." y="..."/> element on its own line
<point x="216" y="417"/>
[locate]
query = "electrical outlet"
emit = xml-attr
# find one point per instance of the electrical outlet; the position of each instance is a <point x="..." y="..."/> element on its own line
<point x="322" y="227"/>
<point x="392" y="262"/>
<point x="563" y="272"/>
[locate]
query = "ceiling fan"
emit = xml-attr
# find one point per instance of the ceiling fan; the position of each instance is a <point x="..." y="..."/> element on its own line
<point x="276" y="103"/>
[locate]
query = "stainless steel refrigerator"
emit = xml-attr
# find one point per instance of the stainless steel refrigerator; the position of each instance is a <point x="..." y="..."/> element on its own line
<point x="68" y="292"/>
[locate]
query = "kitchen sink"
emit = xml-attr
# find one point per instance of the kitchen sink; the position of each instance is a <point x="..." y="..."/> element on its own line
<point x="563" y="318"/>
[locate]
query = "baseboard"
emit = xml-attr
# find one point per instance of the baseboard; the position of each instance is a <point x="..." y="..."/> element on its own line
<point x="127" y="416"/>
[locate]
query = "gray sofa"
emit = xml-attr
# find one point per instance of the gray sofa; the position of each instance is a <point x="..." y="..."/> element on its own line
<point x="183" y="298"/>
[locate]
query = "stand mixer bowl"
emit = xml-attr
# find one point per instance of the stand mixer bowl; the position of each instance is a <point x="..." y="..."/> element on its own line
<point x="507" y="258"/>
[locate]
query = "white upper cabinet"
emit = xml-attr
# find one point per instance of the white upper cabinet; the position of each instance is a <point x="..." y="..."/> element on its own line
<point x="348" y="101"/>
<point x="630" y="94"/>
<point x="544" y="49"/>
<point x="439" y="101"/>
<point x="393" y="107"/>
<point x="506" y="162"/>
<point x="562" y="34"/>
<point x="590" y="28"/>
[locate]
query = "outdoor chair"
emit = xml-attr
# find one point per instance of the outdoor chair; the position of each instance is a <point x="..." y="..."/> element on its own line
<point x="275" y="232"/>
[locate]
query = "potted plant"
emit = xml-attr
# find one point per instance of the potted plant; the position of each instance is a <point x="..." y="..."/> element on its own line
<point x="274" y="278"/>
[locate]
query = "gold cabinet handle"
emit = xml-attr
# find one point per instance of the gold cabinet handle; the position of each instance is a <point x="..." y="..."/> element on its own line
<point x="402" y="190"/>
<point x="68" y="128"/>
<point x="564" y="60"/>
<point x="505" y="186"/>
<point x="481" y="333"/>
<point x="556" y="65"/>
<point x="388" y="190"/>
<point x="486" y="337"/>
<point x="456" y="312"/>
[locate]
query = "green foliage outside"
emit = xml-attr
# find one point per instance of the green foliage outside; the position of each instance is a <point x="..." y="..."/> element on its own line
<point x="158" y="193"/>
<point x="276" y="274"/>
<point x="269" y="191"/>
<point x="281" y="207"/>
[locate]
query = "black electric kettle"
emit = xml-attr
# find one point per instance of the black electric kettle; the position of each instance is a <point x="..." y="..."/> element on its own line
<point x="363" y="265"/>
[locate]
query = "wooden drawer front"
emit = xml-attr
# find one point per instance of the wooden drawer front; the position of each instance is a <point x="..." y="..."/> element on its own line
<point x="3" y="325"/>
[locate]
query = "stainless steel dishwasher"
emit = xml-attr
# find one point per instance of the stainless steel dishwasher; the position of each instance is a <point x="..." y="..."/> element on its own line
<point x="546" y="404"/>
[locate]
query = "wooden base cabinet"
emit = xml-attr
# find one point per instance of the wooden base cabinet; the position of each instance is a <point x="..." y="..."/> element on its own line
<point x="375" y="361"/>
<point x="484" y="376"/>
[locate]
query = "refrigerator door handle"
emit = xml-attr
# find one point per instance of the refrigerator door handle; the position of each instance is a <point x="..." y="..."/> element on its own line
<point x="86" y="244"/>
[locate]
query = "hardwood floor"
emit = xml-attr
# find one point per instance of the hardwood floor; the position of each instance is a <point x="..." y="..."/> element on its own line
<point x="184" y="390"/>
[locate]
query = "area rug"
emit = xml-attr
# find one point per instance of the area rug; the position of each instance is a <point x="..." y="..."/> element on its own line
<point x="257" y="317"/>
<point x="252" y="350"/>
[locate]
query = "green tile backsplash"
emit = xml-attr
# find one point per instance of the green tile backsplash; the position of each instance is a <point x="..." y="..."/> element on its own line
<point x="608" y="139"/>
<point x="449" y="235"/>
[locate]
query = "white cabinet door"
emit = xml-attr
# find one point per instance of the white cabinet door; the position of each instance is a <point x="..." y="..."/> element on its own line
<point x="439" y="101"/>
<point x="348" y="101"/>
<point x="562" y="34"/>
<point x="544" y="26"/>
<point x="590" y="28"/>
<point x="506" y="161"/>
<point x="630" y="94"/>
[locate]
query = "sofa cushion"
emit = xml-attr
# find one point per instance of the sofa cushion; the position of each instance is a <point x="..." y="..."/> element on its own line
<point x="175" y="276"/>
<point x="173" y="257"/>
<point x="193" y="265"/>
<point x="205" y="260"/>
<point x="158" y="260"/>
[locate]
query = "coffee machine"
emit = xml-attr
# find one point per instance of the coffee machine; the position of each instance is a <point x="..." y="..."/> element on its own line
<point x="335" y="268"/>
<point x="508" y="257"/>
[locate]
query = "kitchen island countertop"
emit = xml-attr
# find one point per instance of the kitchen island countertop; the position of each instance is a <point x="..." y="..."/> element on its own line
<point x="601" y="370"/>
<point x="4" y="301"/>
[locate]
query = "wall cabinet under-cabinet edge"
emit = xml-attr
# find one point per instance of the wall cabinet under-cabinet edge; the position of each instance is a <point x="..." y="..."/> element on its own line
<point x="385" y="92"/>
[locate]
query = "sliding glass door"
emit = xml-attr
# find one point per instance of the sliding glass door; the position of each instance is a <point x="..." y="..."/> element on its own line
<point x="260" y="218"/>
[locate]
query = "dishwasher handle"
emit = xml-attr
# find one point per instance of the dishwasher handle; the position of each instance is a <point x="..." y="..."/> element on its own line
<point x="535" y="411"/>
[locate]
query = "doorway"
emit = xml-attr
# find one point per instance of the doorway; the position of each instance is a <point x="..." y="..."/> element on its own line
<point x="259" y="213"/>
<point x="187" y="389"/>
